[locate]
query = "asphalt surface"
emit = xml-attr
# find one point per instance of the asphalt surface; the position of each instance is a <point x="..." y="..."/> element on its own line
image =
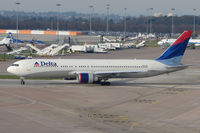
<point x="167" y="103"/>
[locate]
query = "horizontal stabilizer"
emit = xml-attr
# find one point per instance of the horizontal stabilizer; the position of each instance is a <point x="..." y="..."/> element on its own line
<point x="179" y="66"/>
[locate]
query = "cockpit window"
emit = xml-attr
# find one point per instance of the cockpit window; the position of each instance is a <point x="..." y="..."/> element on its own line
<point x="15" y="65"/>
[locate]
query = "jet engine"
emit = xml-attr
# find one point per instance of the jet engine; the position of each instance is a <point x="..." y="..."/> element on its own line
<point x="87" y="78"/>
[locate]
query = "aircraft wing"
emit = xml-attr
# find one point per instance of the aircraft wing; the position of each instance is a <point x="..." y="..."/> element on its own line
<point x="1" y="43"/>
<point x="179" y="66"/>
<point x="17" y="41"/>
<point x="107" y="74"/>
<point x="115" y="73"/>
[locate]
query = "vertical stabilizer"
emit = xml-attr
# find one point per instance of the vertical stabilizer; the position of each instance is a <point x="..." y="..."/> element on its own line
<point x="174" y="54"/>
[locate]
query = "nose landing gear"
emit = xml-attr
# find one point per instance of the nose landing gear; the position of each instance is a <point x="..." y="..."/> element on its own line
<point x="22" y="81"/>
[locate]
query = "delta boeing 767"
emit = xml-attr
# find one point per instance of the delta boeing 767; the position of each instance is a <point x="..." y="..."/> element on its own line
<point x="100" y="70"/>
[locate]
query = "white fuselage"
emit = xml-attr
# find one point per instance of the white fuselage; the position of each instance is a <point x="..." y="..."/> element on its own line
<point x="68" y="68"/>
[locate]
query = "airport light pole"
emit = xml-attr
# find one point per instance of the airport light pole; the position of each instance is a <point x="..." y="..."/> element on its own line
<point x="172" y="9"/>
<point x="150" y="25"/>
<point x="108" y="8"/>
<point x="17" y="22"/>
<point x="125" y="9"/>
<point x="91" y="11"/>
<point x="194" y="23"/>
<point x="147" y="20"/>
<point x="51" y="23"/>
<point x="58" y="37"/>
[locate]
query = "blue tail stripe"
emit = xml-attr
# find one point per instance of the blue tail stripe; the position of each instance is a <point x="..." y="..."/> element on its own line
<point x="174" y="50"/>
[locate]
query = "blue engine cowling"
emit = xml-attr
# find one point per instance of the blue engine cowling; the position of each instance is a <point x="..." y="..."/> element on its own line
<point x="86" y="78"/>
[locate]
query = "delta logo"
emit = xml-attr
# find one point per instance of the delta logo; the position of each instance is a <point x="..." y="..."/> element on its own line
<point x="36" y="64"/>
<point x="45" y="64"/>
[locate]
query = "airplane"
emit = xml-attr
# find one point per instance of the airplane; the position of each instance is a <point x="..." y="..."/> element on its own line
<point x="7" y="41"/>
<point x="141" y="44"/>
<point x="133" y="45"/>
<point x="168" y="42"/>
<point x="107" y="46"/>
<point x="87" y="48"/>
<point x="101" y="70"/>
<point x="105" y="39"/>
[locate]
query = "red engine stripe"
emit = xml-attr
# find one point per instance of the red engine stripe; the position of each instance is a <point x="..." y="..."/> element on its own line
<point x="80" y="77"/>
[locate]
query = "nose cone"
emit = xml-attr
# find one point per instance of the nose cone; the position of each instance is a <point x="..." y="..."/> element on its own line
<point x="10" y="70"/>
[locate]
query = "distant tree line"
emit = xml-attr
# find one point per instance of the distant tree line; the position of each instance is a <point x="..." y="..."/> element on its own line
<point x="134" y="24"/>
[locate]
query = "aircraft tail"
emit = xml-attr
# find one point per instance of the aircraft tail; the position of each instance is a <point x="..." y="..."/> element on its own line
<point x="10" y="35"/>
<point x="173" y="55"/>
<point x="8" y="38"/>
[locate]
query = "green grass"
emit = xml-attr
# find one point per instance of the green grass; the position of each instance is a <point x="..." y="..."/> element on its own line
<point x="152" y="43"/>
<point x="17" y="77"/>
<point x="8" y="77"/>
<point x="6" y="57"/>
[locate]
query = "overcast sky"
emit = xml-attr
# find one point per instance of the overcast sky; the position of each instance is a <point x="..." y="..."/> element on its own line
<point x="134" y="7"/>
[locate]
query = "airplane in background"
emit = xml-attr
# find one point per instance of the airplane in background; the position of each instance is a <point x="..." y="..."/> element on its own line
<point x="87" y="48"/>
<point x="7" y="41"/>
<point x="133" y="45"/>
<point x="167" y="42"/>
<point x="105" y="39"/>
<point x="141" y="44"/>
<point x="101" y="70"/>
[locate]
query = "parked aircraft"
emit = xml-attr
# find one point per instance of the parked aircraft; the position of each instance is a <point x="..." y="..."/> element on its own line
<point x="141" y="44"/>
<point x="100" y="70"/>
<point x="105" y="39"/>
<point x="167" y="42"/>
<point x="87" y="48"/>
<point x="133" y="45"/>
<point x="107" y="46"/>
<point x="8" y="40"/>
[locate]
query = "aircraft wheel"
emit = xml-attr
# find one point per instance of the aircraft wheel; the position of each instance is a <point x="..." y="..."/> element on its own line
<point x="22" y="82"/>
<point x="105" y="83"/>
<point x="102" y="83"/>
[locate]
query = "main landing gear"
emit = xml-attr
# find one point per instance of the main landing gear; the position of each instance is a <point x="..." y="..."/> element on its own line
<point x="104" y="83"/>
<point x="22" y="81"/>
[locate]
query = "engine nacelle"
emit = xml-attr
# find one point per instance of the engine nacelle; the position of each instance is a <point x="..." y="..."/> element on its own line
<point x="87" y="78"/>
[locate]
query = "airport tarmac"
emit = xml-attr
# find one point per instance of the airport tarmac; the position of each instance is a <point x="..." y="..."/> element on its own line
<point x="167" y="103"/>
